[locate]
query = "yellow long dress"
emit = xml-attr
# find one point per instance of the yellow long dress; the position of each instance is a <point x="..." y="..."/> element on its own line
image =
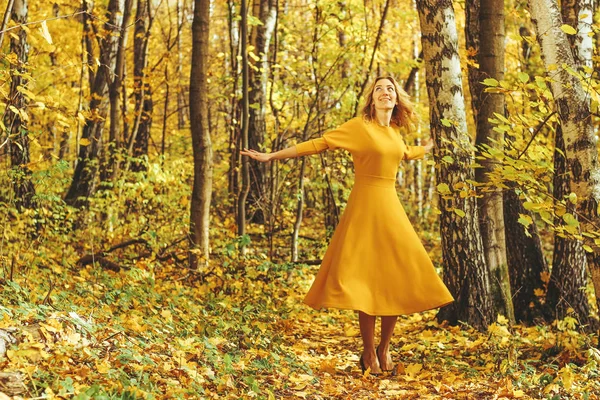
<point x="375" y="261"/>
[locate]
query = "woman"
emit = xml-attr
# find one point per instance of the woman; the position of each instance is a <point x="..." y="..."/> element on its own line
<point x="375" y="263"/>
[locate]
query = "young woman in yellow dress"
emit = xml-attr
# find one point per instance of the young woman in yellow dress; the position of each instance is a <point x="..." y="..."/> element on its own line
<point x="375" y="263"/>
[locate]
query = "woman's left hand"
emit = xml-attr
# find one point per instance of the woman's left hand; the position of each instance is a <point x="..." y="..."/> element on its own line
<point x="428" y="144"/>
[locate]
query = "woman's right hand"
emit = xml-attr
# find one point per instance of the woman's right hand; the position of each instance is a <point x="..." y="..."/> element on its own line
<point x="262" y="157"/>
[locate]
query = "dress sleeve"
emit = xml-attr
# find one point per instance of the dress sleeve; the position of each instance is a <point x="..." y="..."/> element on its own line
<point x="339" y="138"/>
<point x="414" y="152"/>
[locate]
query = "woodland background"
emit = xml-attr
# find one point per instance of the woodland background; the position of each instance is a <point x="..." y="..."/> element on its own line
<point x="142" y="257"/>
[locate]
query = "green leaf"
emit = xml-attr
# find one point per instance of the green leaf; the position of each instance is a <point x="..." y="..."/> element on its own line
<point x="568" y="29"/>
<point x="460" y="213"/>
<point x="253" y="21"/>
<point x="446" y="122"/>
<point x="448" y="159"/>
<point x="570" y="220"/>
<point x="490" y="82"/>
<point x="541" y="82"/>
<point x="525" y="220"/>
<point x="523" y="77"/>
<point x="501" y="118"/>
<point x="443" y="188"/>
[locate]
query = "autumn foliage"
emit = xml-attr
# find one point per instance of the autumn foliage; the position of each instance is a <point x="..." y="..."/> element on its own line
<point x="97" y="297"/>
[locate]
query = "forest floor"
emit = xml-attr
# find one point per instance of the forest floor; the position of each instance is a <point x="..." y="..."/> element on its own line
<point x="157" y="331"/>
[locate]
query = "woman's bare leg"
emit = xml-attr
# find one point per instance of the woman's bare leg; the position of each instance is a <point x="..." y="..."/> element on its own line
<point x="367" y="332"/>
<point x="387" y="330"/>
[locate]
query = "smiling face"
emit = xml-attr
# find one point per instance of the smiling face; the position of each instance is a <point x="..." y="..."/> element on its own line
<point x="384" y="95"/>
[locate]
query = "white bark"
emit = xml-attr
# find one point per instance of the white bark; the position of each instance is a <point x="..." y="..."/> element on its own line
<point x="574" y="112"/>
<point x="465" y="271"/>
<point x="585" y="46"/>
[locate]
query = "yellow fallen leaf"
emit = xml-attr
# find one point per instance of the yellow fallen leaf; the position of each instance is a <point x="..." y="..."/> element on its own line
<point x="567" y="377"/>
<point x="413" y="369"/>
<point x="166" y="314"/>
<point x="103" y="367"/>
<point x="327" y="366"/>
<point x="352" y="332"/>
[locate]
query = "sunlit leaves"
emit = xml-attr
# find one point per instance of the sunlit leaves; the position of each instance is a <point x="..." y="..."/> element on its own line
<point x="525" y="220"/>
<point x="568" y="29"/>
<point x="490" y="82"/>
<point x="45" y="33"/>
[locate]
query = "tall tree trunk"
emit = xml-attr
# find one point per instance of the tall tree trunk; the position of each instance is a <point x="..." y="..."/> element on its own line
<point x="472" y="32"/>
<point x="265" y="11"/>
<point x="465" y="271"/>
<point x="525" y="259"/>
<point x="15" y="122"/>
<point x="201" y="193"/>
<point x="142" y="91"/>
<point x="569" y="278"/>
<point x="566" y="289"/>
<point x="580" y="15"/>
<point x="110" y="172"/>
<point x="181" y="107"/>
<point x="88" y="36"/>
<point x="234" y="111"/>
<point x="574" y="112"/>
<point x="490" y="57"/>
<point x="85" y="176"/>
<point x="273" y="167"/>
<point x="416" y="92"/>
<point x="245" y="187"/>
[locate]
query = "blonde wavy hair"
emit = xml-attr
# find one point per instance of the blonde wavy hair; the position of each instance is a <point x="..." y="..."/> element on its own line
<point x="402" y="115"/>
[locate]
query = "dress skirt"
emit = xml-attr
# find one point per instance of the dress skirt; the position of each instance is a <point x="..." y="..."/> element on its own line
<point x="375" y="261"/>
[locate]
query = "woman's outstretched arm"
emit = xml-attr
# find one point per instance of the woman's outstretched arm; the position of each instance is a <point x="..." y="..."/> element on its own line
<point x="289" y="152"/>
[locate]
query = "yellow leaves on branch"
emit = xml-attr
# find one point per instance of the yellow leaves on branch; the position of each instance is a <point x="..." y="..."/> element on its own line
<point x="45" y="32"/>
<point x="568" y="29"/>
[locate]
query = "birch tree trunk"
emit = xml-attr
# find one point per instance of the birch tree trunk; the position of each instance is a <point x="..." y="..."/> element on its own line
<point x="233" y="26"/>
<point x="142" y="91"/>
<point x="490" y="56"/>
<point x="111" y="170"/>
<point x="15" y="122"/>
<point x="202" y="190"/>
<point x="465" y="271"/>
<point x="574" y="112"/>
<point x="416" y="84"/>
<point x="566" y="289"/>
<point x="266" y="11"/>
<point x="245" y="187"/>
<point x="181" y="106"/>
<point x="84" y="181"/>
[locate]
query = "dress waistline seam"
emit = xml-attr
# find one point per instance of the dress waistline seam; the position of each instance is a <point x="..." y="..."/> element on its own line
<point x="374" y="180"/>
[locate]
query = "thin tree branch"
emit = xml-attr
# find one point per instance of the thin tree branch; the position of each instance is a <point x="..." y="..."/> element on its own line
<point x="9" y="7"/>
<point x="375" y="47"/>
<point x="537" y="130"/>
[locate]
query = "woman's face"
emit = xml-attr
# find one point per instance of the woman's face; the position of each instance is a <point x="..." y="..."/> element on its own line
<point x="384" y="95"/>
